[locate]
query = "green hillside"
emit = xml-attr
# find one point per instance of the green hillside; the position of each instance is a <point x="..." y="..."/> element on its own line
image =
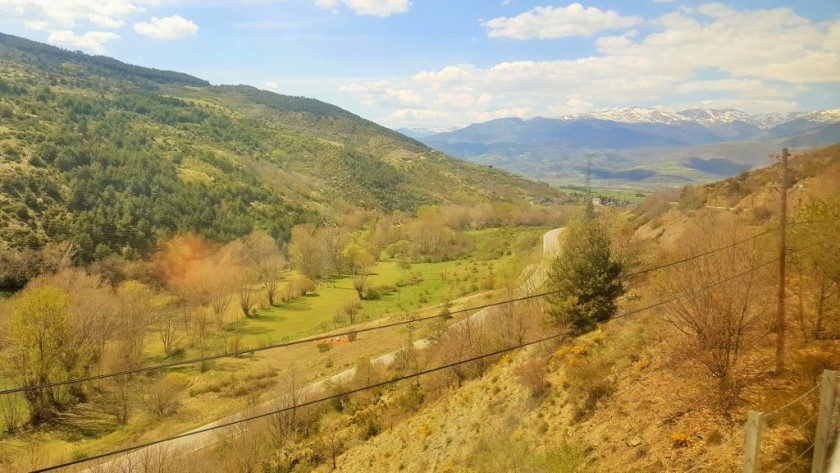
<point x="115" y="157"/>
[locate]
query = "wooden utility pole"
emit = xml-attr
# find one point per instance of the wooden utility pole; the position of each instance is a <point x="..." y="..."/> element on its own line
<point x="780" y="309"/>
<point x="752" y="441"/>
<point x="587" y="205"/>
<point x="828" y="394"/>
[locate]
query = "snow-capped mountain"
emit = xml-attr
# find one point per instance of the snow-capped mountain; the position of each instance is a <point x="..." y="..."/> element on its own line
<point x="685" y="144"/>
<point x="706" y="117"/>
<point x="421" y="132"/>
<point x="687" y="126"/>
<point x="631" y="115"/>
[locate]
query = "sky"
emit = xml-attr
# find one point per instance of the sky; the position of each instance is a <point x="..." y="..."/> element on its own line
<point x="449" y="63"/>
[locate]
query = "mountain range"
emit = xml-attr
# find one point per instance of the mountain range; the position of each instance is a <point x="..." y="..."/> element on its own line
<point x="637" y="146"/>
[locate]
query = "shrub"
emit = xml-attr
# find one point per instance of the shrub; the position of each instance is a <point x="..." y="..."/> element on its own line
<point x="531" y="375"/>
<point x="589" y="383"/>
<point x="162" y="398"/>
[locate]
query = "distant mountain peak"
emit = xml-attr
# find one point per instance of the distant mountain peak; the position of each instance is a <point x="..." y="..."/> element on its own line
<point x="423" y="132"/>
<point x="707" y="117"/>
<point x="632" y="115"/>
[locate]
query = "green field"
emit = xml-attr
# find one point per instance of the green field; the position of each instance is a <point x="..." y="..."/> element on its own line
<point x="630" y="194"/>
<point x="400" y="289"/>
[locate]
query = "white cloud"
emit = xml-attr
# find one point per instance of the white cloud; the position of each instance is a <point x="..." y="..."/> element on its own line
<point x="271" y="85"/>
<point x="558" y="22"/>
<point x="758" y="60"/>
<point x="745" y="88"/>
<point x="170" y="27"/>
<point x="63" y="18"/>
<point x="327" y="4"/>
<point x="379" y="93"/>
<point x="92" y="40"/>
<point x="754" y="106"/>
<point x="61" y="15"/>
<point x="379" y="8"/>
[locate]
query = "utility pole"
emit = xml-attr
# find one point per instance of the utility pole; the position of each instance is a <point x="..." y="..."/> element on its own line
<point x="588" y="207"/>
<point x="780" y="308"/>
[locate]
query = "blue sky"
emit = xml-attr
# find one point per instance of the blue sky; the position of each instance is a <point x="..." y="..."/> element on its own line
<point x="439" y="63"/>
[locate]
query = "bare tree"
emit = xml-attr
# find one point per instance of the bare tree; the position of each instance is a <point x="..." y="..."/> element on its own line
<point x="263" y="262"/>
<point x="305" y="250"/>
<point x="136" y="313"/>
<point x="162" y="398"/>
<point x="360" y="285"/>
<point x="167" y="325"/>
<point x="246" y="300"/>
<point x="716" y="325"/>
<point x="818" y="264"/>
<point x="463" y="340"/>
<point x="332" y="242"/>
<point x="242" y="447"/>
<point x="271" y="270"/>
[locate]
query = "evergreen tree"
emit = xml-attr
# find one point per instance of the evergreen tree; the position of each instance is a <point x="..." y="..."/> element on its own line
<point x="585" y="278"/>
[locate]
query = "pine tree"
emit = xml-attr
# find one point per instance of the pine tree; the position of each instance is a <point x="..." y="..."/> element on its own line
<point x="585" y="278"/>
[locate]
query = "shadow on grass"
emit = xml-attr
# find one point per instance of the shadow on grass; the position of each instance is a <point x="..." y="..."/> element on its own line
<point x="83" y="421"/>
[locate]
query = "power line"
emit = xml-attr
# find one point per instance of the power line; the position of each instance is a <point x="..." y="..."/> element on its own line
<point x="263" y="348"/>
<point x="420" y="373"/>
<point x="251" y="351"/>
<point x="303" y="404"/>
<point x="699" y="255"/>
<point x="695" y="291"/>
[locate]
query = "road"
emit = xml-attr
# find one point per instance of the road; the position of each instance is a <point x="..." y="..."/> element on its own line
<point x="533" y="277"/>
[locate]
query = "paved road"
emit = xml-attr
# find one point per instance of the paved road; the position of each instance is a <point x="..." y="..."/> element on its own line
<point x="532" y="278"/>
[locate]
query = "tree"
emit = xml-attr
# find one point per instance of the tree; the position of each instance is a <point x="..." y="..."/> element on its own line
<point x="263" y="263"/>
<point x="585" y="278"/>
<point x="167" y="324"/>
<point x="716" y="327"/>
<point x="37" y="330"/>
<point x="136" y="313"/>
<point x="818" y="261"/>
<point x="270" y="275"/>
<point x="357" y="258"/>
<point x="305" y="250"/>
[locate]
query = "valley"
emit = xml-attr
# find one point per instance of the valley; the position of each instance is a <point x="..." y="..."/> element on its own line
<point x="611" y="268"/>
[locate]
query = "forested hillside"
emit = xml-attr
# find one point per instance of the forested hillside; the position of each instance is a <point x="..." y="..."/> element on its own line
<point x="114" y="157"/>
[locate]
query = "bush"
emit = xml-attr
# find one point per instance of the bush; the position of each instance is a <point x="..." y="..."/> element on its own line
<point x="162" y="398"/>
<point x="531" y="375"/>
<point x="693" y="198"/>
<point x="305" y="286"/>
<point x="589" y="383"/>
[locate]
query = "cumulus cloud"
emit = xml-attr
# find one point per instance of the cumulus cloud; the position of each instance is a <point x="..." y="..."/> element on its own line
<point x="759" y="59"/>
<point x="170" y="27"/>
<point x="60" y="15"/>
<point x="380" y="93"/>
<point x="379" y="8"/>
<point x="92" y="40"/>
<point x="62" y="19"/>
<point x="558" y="22"/>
